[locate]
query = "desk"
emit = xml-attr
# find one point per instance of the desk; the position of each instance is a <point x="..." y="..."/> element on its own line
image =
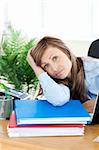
<point x="50" y="143"/>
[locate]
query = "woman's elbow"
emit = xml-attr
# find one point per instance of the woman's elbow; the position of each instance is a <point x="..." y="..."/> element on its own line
<point x="59" y="101"/>
<point x="59" y="98"/>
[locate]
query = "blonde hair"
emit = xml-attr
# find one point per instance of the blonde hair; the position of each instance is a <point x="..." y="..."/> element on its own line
<point x="76" y="82"/>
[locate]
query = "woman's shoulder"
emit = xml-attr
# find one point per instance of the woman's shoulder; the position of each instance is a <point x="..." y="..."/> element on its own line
<point x="90" y="63"/>
<point x="91" y="67"/>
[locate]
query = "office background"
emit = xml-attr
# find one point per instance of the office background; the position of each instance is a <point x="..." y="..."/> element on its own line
<point x="75" y="21"/>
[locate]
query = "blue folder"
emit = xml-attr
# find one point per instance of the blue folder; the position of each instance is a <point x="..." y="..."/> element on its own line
<point x="42" y="112"/>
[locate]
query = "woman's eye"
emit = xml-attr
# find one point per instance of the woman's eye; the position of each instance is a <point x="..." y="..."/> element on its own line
<point x="55" y="58"/>
<point x="46" y="66"/>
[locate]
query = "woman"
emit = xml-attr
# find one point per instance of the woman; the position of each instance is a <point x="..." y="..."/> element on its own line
<point x="62" y="75"/>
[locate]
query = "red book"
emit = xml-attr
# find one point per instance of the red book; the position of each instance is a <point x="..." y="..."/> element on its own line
<point x="43" y="129"/>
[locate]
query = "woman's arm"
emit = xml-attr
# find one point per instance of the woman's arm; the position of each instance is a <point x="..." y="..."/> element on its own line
<point x="56" y="94"/>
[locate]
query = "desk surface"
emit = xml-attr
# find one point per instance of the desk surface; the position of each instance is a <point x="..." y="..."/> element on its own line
<point x="50" y="143"/>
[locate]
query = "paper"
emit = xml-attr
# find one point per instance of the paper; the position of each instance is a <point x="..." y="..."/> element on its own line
<point x="96" y="139"/>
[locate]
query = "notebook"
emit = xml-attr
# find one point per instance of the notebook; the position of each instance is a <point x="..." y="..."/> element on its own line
<point x="95" y="114"/>
<point x="42" y="112"/>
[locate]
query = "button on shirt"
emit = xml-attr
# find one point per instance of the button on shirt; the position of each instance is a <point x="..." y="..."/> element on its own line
<point x="59" y="94"/>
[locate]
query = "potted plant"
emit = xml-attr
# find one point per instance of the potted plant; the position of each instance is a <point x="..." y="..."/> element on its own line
<point x="13" y="64"/>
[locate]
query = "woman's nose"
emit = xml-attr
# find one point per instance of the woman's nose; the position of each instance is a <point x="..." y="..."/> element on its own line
<point x="54" y="68"/>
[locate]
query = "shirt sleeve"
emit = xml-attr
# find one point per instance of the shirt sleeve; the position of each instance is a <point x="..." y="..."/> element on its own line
<point x="91" y="67"/>
<point x="56" y="94"/>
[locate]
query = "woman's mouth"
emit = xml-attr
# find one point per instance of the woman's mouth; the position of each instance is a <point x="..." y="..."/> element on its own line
<point x="58" y="74"/>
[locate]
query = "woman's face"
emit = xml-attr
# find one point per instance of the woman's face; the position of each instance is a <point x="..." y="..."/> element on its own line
<point x="56" y="63"/>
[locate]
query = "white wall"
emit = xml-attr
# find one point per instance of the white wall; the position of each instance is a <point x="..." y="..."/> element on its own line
<point x="79" y="48"/>
<point x="76" y="21"/>
<point x="69" y="19"/>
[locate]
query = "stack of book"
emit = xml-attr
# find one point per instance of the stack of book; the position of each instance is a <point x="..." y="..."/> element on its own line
<point x="40" y="118"/>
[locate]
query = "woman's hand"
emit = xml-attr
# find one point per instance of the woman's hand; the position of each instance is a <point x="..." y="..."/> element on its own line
<point x="89" y="105"/>
<point x="37" y="69"/>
